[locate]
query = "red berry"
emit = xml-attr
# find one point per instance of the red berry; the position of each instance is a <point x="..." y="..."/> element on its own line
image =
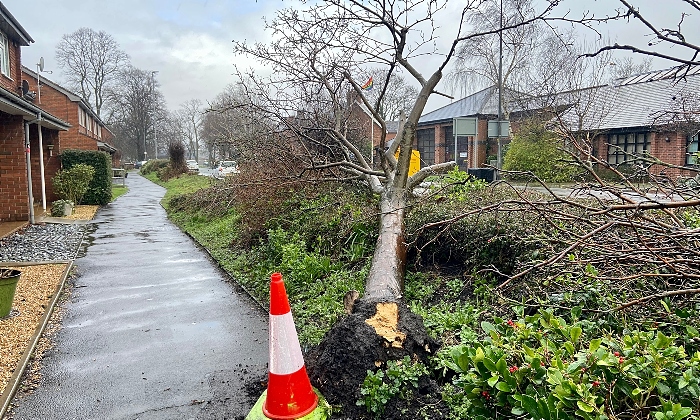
<point x="512" y="369"/>
<point x="617" y="354"/>
<point x="510" y="323"/>
<point x="596" y="383"/>
<point x="621" y="360"/>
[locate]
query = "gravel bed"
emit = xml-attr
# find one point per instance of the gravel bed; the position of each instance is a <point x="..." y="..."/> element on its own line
<point x="47" y="242"/>
<point x="37" y="285"/>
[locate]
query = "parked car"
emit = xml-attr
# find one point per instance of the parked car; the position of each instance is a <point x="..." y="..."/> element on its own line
<point x="226" y="167"/>
<point x="192" y="166"/>
<point x="139" y="164"/>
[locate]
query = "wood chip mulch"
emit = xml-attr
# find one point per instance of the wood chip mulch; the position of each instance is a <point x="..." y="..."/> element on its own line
<point x="35" y="289"/>
<point x="83" y="212"/>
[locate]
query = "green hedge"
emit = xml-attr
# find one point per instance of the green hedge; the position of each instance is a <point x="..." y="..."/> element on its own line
<point x="100" y="189"/>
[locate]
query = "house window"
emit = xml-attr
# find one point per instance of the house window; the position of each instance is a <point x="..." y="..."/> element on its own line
<point x="692" y="156"/>
<point x="81" y="117"/>
<point x="99" y="131"/>
<point x="4" y="55"/>
<point x="623" y="148"/>
<point x="426" y="146"/>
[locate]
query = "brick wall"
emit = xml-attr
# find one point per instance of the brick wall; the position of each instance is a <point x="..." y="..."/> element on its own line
<point x="60" y="105"/>
<point x="13" y="83"/>
<point x="14" y="204"/>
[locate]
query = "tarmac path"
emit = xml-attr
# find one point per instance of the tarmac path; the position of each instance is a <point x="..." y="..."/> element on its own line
<point x="153" y="329"/>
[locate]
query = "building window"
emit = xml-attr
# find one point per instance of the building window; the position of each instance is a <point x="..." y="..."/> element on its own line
<point x="4" y="55"/>
<point x="81" y="117"/>
<point x="623" y="148"/>
<point x="426" y="146"/>
<point x="692" y="154"/>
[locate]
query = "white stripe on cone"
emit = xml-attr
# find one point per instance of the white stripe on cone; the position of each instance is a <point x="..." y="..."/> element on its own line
<point x="285" y="351"/>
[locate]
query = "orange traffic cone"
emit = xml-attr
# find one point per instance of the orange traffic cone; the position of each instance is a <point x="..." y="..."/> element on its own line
<point x="289" y="391"/>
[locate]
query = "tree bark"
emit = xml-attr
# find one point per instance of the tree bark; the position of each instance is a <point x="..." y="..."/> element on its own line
<point x="385" y="279"/>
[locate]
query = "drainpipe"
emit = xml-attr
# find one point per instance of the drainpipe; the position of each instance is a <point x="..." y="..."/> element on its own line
<point x="29" y="171"/>
<point x="41" y="164"/>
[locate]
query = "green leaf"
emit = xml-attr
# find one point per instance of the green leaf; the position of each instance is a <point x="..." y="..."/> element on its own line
<point x="530" y="404"/>
<point x="490" y="365"/>
<point x="502" y="386"/>
<point x="663" y="388"/>
<point x="569" y="347"/>
<point x="492" y="381"/>
<point x="487" y="326"/>
<point x="595" y="343"/>
<point x="584" y="406"/>
<point x="575" y="333"/>
<point x="479" y="355"/>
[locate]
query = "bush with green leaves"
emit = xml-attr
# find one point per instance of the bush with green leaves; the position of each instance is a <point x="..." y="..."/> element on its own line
<point x="457" y="185"/>
<point x="542" y="367"/>
<point x="58" y="208"/>
<point x="154" y="165"/>
<point x="400" y="379"/>
<point x="71" y="184"/>
<point x="537" y="150"/>
<point x="99" y="191"/>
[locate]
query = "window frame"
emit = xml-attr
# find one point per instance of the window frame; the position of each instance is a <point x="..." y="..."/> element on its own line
<point x="4" y="55"/>
<point x="690" y="140"/>
<point x="624" y="147"/>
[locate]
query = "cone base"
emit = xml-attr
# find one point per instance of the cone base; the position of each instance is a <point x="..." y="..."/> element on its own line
<point x="321" y="412"/>
<point x="289" y="396"/>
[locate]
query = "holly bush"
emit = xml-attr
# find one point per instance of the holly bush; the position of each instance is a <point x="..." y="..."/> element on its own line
<point x="542" y="367"/>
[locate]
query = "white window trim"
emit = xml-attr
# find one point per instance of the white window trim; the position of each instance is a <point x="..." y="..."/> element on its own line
<point x="4" y="55"/>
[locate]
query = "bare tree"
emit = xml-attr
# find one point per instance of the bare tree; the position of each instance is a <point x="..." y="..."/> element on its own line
<point x="136" y="109"/>
<point x="190" y="117"/>
<point x="91" y="61"/>
<point x="399" y="95"/>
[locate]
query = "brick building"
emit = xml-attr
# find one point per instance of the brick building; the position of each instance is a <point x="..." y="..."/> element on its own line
<point x="25" y="129"/>
<point x="654" y="113"/>
<point x="87" y="132"/>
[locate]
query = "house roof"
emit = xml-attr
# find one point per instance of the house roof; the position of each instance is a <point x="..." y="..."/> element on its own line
<point x="12" y="28"/>
<point x="71" y="96"/>
<point x="645" y="100"/>
<point x="14" y="105"/>
<point x="480" y="103"/>
<point x="641" y="100"/>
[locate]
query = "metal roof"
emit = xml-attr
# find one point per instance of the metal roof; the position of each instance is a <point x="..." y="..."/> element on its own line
<point x="641" y="101"/>
<point x="637" y="101"/>
<point x="483" y="102"/>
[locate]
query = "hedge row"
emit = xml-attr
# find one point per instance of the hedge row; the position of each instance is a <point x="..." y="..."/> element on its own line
<point x="100" y="189"/>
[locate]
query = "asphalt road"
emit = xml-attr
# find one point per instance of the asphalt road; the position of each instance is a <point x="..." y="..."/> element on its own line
<point x="153" y="330"/>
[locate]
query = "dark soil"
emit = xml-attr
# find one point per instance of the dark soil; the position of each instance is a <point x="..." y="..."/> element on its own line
<point x="339" y="365"/>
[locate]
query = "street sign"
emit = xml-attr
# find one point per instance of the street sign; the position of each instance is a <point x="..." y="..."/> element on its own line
<point x="493" y="128"/>
<point x="465" y="126"/>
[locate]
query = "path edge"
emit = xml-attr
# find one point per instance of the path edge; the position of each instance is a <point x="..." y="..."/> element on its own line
<point x="16" y="378"/>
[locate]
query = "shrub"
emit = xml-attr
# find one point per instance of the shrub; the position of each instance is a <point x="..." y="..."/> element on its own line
<point x="58" y="208"/>
<point x="542" y="367"/>
<point x="154" y="165"/>
<point x="399" y="380"/>
<point x="72" y="184"/>
<point x="99" y="191"/>
<point x="536" y="150"/>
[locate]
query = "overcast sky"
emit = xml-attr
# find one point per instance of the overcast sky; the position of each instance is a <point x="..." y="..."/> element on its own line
<point x="189" y="41"/>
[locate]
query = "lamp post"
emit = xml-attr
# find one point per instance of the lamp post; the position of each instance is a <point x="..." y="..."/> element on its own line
<point x="155" y="132"/>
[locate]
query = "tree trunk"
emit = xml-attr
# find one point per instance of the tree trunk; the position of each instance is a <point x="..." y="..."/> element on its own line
<point x="385" y="279"/>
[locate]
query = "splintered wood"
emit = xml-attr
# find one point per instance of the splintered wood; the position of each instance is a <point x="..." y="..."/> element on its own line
<point x="35" y="289"/>
<point x="386" y="323"/>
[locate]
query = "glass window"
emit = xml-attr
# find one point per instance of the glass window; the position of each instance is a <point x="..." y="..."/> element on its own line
<point x="691" y="156"/>
<point x="623" y="148"/>
<point x="426" y="146"/>
<point x="4" y="55"/>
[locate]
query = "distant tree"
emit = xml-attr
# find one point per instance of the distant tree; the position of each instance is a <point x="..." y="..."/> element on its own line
<point x="91" y="61"/>
<point x="398" y="96"/>
<point x="627" y="66"/>
<point x="136" y="108"/>
<point x="189" y="118"/>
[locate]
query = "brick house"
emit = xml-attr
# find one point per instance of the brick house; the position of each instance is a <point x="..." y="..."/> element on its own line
<point x="654" y="113"/>
<point x="88" y="131"/>
<point x="21" y="123"/>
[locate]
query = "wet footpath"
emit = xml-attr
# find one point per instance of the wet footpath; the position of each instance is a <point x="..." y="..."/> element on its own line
<point x="153" y="330"/>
